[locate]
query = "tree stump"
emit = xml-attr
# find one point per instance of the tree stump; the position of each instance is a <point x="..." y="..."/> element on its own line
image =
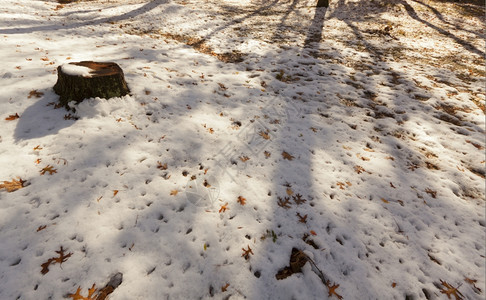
<point x="77" y="81"/>
<point x="322" y="3"/>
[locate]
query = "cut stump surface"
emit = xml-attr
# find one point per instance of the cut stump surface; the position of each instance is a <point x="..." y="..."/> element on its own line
<point x="87" y="79"/>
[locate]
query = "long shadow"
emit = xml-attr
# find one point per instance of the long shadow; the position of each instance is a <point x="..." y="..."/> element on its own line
<point x="136" y="12"/>
<point x="468" y="46"/>
<point x="282" y="26"/>
<point x="439" y="15"/>
<point x="314" y="34"/>
<point x="257" y="12"/>
<point x="37" y="121"/>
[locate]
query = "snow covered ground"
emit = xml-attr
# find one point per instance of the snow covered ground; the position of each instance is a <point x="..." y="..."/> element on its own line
<point x="353" y="133"/>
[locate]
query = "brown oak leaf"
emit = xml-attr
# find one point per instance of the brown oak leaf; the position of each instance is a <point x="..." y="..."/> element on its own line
<point x="224" y="207"/>
<point x="12" y="117"/>
<point x="298" y="199"/>
<point x="244" y="158"/>
<point x="78" y="296"/>
<point x="247" y="252"/>
<point x="161" y="166"/>
<point x="287" y="156"/>
<point x="241" y="200"/>
<point x="450" y="291"/>
<point x="55" y="260"/>
<point x="12" y="186"/>
<point x="285" y="203"/>
<point x="472" y="282"/>
<point x="332" y="290"/>
<point x="49" y="169"/>
<point x="35" y="93"/>
<point x="225" y="287"/>
<point x="302" y="219"/>
<point x="264" y="135"/>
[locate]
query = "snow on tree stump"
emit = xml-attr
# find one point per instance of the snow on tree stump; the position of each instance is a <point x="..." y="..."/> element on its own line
<point x="77" y="81"/>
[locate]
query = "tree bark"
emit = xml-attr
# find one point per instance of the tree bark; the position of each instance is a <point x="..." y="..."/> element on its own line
<point x="105" y="80"/>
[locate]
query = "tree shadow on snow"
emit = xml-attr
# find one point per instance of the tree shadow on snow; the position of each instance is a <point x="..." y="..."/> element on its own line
<point x="41" y="119"/>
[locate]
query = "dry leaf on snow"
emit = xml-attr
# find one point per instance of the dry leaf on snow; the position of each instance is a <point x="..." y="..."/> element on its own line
<point x="451" y="291"/>
<point x="91" y="294"/>
<point x="13" y="185"/>
<point x="332" y="290"/>
<point x="35" y="93"/>
<point x="287" y="156"/>
<point x="241" y="200"/>
<point x="224" y="207"/>
<point x="225" y="287"/>
<point x="55" y="260"/>
<point x="12" y="117"/>
<point x="285" y="203"/>
<point x="49" y="169"/>
<point x="247" y="252"/>
<point x="264" y="135"/>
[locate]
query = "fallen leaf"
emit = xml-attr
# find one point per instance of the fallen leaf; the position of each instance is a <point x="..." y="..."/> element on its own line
<point x="478" y="146"/>
<point x="115" y="192"/>
<point x="362" y="157"/>
<point x="42" y="227"/>
<point x="450" y="291"/>
<point x="223" y="207"/>
<point x="391" y="184"/>
<point x="12" y="117"/>
<point x="394" y="284"/>
<point x="298" y="199"/>
<point x="225" y="287"/>
<point x="12" y="186"/>
<point x="473" y="283"/>
<point x="55" y="260"/>
<point x="302" y="219"/>
<point x="359" y="169"/>
<point x="244" y="158"/>
<point x="285" y="203"/>
<point x="313" y="232"/>
<point x="332" y="290"/>
<point x="247" y="252"/>
<point x="161" y="166"/>
<point x="432" y="193"/>
<point x="287" y="156"/>
<point x="78" y="296"/>
<point x="341" y="185"/>
<point x="289" y="191"/>
<point x="241" y="200"/>
<point x="35" y="93"/>
<point x="384" y="200"/>
<point x="267" y="154"/>
<point x="264" y="135"/>
<point x="174" y="192"/>
<point x="48" y="169"/>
